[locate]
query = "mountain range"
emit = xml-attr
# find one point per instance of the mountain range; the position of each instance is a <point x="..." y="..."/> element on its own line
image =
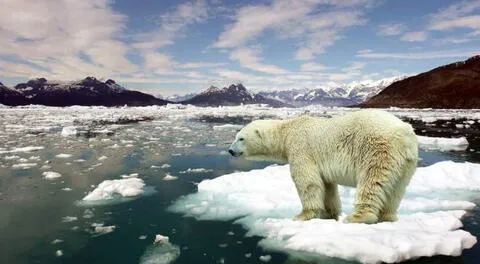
<point x="456" y="85"/>
<point x="235" y="94"/>
<point x="89" y="91"/>
<point x="333" y="94"/>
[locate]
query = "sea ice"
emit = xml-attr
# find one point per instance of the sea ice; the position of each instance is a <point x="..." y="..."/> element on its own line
<point x="69" y="131"/>
<point x="24" y="166"/>
<point x="196" y="170"/>
<point x="63" y="156"/>
<point x="169" y="177"/>
<point x="110" y="189"/>
<point x="228" y="127"/>
<point x="161" y="252"/>
<point x="264" y="202"/>
<point x="50" y="175"/>
<point x="443" y="144"/>
<point x="22" y="149"/>
<point x="102" y="230"/>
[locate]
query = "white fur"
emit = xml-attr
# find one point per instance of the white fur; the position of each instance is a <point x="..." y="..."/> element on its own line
<point x="369" y="149"/>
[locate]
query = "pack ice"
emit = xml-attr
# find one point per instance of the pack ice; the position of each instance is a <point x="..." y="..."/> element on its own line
<point x="265" y="201"/>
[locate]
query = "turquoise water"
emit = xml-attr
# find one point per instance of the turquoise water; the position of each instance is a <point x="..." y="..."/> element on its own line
<point x="32" y="208"/>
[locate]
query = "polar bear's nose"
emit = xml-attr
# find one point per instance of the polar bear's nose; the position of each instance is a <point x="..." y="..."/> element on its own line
<point x="231" y="152"/>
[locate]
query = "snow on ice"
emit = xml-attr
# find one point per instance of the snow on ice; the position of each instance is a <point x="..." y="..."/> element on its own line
<point x="69" y="131"/>
<point x="161" y="252"/>
<point x="111" y="189"/>
<point x="50" y="175"/>
<point x="22" y="149"/>
<point x="442" y="144"/>
<point x="265" y="201"/>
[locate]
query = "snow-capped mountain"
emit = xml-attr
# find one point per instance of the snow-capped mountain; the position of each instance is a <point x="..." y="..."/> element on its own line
<point x="232" y="95"/>
<point x="89" y="91"/>
<point x="177" y="97"/>
<point x="9" y="96"/>
<point x="333" y="94"/>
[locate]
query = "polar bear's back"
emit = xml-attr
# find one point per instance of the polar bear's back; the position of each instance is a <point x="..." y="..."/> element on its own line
<point x="346" y="144"/>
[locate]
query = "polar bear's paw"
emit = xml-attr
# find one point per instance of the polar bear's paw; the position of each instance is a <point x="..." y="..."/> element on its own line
<point x="365" y="218"/>
<point x="305" y="215"/>
<point x="308" y="214"/>
<point x="388" y="218"/>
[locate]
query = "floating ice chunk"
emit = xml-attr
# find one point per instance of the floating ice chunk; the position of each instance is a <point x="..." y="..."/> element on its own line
<point x="114" y="189"/>
<point x="131" y="175"/>
<point x="264" y="202"/>
<point x="59" y="253"/>
<point x="164" y="166"/>
<point x="13" y="157"/>
<point x="197" y="170"/>
<point x="23" y="149"/>
<point x="102" y="230"/>
<point x="56" y="241"/>
<point x="103" y="158"/>
<point x="443" y="144"/>
<point x="67" y="189"/>
<point x="228" y="127"/>
<point x="161" y="252"/>
<point x="24" y="166"/>
<point x="142" y="237"/>
<point x="265" y="258"/>
<point x="69" y="131"/>
<point x="68" y="219"/>
<point x="63" y="156"/>
<point x="50" y="175"/>
<point x="88" y="213"/>
<point x="160" y="239"/>
<point x="169" y="177"/>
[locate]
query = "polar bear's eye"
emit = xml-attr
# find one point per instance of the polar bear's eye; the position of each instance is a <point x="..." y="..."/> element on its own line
<point x="241" y="139"/>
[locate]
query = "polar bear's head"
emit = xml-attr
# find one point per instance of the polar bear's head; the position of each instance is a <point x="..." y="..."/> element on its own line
<point x="254" y="141"/>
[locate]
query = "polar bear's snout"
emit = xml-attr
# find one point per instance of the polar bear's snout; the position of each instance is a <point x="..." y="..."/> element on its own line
<point x="235" y="150"/>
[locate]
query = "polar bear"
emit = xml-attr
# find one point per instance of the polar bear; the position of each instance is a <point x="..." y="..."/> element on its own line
<point x="371" y="150"/>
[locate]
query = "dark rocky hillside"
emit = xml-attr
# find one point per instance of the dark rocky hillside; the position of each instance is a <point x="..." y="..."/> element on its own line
<point x="455" y="85"/>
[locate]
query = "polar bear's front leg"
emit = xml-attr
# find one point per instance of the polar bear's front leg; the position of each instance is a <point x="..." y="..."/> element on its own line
<point x="310" y="189"/>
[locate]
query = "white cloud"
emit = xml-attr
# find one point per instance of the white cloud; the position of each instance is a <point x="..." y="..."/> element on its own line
<point x="158" y="62"/>
<point x="391" y="29"/>
<point x="171" y="25"/>
<point x="454" y="40"/>
<point x="193" y="65"/>
<point x="293" y="19"/>
<point x="458" y="15"/>
<point x="57" y="31"/>
<point x="249" y="59"/>
<point x="415" y="36"/>
<point x="311" y="66"/>
<point x="421" y="55"/>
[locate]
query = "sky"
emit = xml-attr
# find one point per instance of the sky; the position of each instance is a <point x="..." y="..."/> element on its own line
<point x="167" y="47"/>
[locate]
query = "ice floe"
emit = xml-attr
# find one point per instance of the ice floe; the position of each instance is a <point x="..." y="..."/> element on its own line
<point x="22" y="149"/>
<point x="264" y="202"/>
<point x="112" y="189"/>
<point x="228" y="127"/>
<point x="196" y="170"/>
<point x="161" y="252"/>
<point x="69" y="131"/>
<point x="50" y="175"/>
<point x="443" y="144"/>
<point x="63" y="156"/>
<point x="169" y="177"/>
<point x="23" y="166"/>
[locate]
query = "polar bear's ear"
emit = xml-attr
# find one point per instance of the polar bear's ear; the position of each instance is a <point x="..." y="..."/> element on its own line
<point x="257" y="131"/>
